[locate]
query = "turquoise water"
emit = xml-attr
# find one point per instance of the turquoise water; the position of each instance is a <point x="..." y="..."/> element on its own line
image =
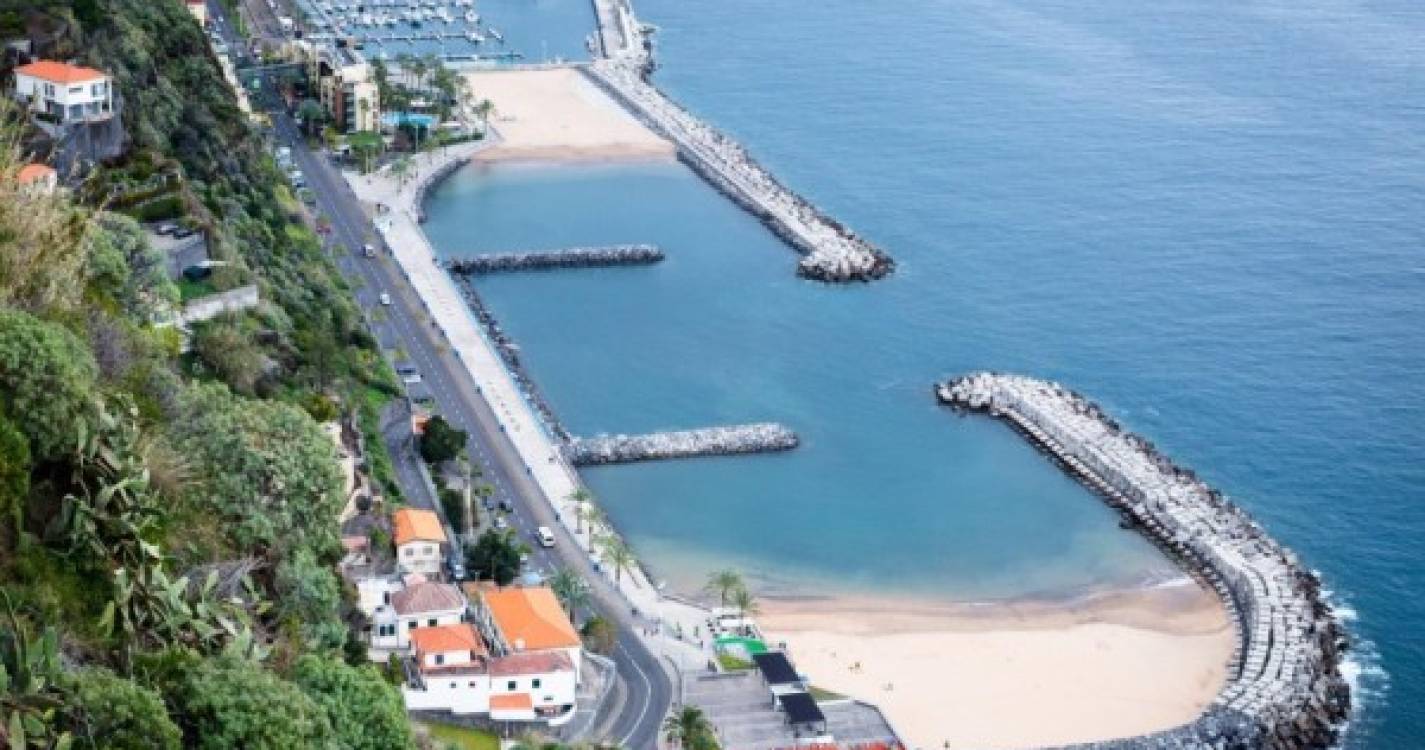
<point x="1207" y="215"/>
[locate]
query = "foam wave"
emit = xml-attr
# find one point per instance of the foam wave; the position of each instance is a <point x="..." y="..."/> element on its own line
<point x="1365" y="673"/>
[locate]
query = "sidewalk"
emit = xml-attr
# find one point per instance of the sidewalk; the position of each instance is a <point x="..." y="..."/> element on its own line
<point x="537" y="450"/>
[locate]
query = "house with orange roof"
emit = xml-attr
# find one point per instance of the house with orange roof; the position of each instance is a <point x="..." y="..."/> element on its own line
<point x="451" y="669"/>
<point x="65" y="93"/>
<point x="525" y="620"/>
<point x="419" y="605"/>
<point x="420" y="540"/>
<point x="38" y="178"/>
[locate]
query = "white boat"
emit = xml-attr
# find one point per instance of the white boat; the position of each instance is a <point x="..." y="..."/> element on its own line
<point x="496" y="35"/>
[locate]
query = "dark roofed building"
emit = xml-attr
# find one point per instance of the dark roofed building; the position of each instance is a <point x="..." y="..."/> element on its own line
<point x="776" y="669"/>
<point x="802" y="711"/>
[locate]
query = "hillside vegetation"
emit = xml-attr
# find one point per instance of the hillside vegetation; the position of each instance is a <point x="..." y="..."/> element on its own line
<point x="168" y="521"/>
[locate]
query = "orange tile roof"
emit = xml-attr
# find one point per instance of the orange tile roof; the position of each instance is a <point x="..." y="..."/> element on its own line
<point x="58" y="72"/>
<point x="416" y="525"/>
<point x="33" y="173"/>
<point x="447" y="638"/>
<point x="511" y="701"/>
<point x="529" y="618"/>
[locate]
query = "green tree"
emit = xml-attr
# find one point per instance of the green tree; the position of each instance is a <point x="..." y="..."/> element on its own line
<point x="128" y="268"/>
<point x="229" y="702"/>
<point x="442" y="442"/>
<point x="230" y="352"/>
<point x="745" y="602"/>
<point x="14" y="472"/>
<point x="571" y="589"/>
<point x="579" y="497"/>
<point x="115" y="714"/>
<point x="600" y="635"/>
<point x="617" y="554"/>
<point x="268" y="468"/>
<point x="723" y="583"/>
<point x="453" y="503"/>
<point x="33" y="708"/>
<point x="495" y="556"/>
<point x="46" y="381"/>
<point x="364" y="711"/>
<point x="689" y="727"/>
<point x="309" y="592"/>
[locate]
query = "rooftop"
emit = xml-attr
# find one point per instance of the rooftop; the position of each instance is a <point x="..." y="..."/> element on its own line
<point x="34" y="173"/>
<point x="427" y="597"/>
<point x="511" y="701"/>
<point x="447" y="638"/>
<point x="416" y="525"/>
<point x="776" y="668"/>
<point x="528" y="617"/>
<point x="801" y="709"/>
<point x="542" y="662"/>
<point x="58" y="72"/>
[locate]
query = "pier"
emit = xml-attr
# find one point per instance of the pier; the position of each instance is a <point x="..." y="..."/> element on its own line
<point x="1285" y="690"/>
<point x="575" y="257"/>
<point x="831" y="251"/>
<point x="765" y="437"/>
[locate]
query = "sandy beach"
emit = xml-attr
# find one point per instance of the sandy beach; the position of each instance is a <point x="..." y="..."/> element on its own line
<point x="1015" y="675"/>
<point x="558" y="115"/>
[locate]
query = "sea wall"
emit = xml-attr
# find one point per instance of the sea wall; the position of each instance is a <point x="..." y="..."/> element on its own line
<point x="714" y="441"/>
<point x="574" y="257"/>
<point x="831" y="251"/>
<point x="510" y="354"/>
<point x="430" y="181"/>
<point x="1285" y="690"/>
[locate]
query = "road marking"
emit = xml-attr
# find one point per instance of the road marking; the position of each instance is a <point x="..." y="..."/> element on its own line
<point x="647" y="695"/>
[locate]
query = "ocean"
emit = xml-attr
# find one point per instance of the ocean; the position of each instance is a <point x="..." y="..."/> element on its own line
<point x="1205" y="215"/>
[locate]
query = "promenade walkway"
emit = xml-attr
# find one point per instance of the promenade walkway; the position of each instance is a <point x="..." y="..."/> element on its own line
<point x="537" y="449"/>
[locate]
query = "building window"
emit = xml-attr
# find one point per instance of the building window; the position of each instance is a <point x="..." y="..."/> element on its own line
<point x="472" y="683"/>
<point x="431" y="622"/>
<point x="452" y="686"/>
<point x="534" y="684"/>
<point x="410" y="551"/>
<point x="510" y="685"/>
<point x="411" y="625"/>
<point x="439" y="659"/>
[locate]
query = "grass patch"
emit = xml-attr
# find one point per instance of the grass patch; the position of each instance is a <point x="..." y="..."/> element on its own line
<point x="733" y="663"/>
<point x="189" y="290"/>
<point x="462" y="738"/>
<point x="822" y="694"/>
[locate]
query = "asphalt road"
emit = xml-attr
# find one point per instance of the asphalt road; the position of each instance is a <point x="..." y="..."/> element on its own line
<point x="643" y="692"/>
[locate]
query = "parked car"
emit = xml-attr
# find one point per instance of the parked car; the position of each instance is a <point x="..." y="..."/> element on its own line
<point x="184" y="232"/>
<point x="455" y="568"/>
<point x="166" y="228"/>
<point x="507" y="506"/>
<point x="385" y="299"/>
<point x="501" y="524"/>
<point x="369" y="250"/>
<point x="411" y="378"/>
<point x="545" y="536"/>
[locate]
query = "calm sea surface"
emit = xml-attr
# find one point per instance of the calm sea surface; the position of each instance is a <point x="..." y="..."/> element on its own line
<point x="1209" y="215"/>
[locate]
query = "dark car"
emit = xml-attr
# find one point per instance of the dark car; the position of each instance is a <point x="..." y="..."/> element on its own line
<point x="507" y="506"/>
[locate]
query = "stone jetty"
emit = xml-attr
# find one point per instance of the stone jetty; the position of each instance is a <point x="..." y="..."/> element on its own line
<point x="831" y="251"/>
<point x="1284" y="690"/>
<point x="510" y="354"/>
<point x="575" y="257"/>
<point x="763" y="437"/>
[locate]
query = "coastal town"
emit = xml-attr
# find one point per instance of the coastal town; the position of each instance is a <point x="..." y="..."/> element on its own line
<point x="468" y="569"/>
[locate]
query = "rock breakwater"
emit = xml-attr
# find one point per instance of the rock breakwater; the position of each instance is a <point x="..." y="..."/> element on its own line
<point x="1285" y="690"/>
<point x="831" y="251"/>
<point x="713" y="441"/>
<point x="575" y="257"/>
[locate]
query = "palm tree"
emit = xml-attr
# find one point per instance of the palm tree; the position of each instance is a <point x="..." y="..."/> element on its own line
<point x="724" y="582"/>
<point x="571" y="590"/>
<point x="401" y="170"/>
<point x="579" y="497"/>
<point x="485" y="109"/>
<point x="618" y="554"/>
<point x="593" y="515"/>
<point x="688" y="727"/>
<point x="745" y="602"/>
<point x="404" y="62"/>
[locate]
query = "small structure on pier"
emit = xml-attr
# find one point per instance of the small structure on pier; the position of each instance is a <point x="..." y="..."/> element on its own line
<point x="762" y="437"/>
<point x="574" y="257"/>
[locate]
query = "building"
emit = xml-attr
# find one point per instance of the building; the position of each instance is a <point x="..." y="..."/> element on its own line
<point x="199" y="9"/>
<point x="37" y="178"/>
<point x="525" y="620"/>
<point x="450" y="668"/>
<point x="420" y="540"/>
<point x="420" y="605"/>
<point x="345" y="87"/>
<point x="66" y="93"/>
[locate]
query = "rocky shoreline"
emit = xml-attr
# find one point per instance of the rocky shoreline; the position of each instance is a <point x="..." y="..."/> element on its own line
<point x="831" y="251"/>
<point x="763" y="437"/>
<point x="575" y="257"/>
<point x="1285" y="690"/>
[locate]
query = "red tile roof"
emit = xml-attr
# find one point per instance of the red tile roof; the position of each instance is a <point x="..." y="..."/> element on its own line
<point x="416" y="525"/>
<point x="58" y="72"/>
<point x="447" y="638"/>
<point x="427" y="597"/>
<point x="541" y="662"/>
<point x="511" y="701"/>
<point x="33" y="173"/>
<point x="529" y="617"/>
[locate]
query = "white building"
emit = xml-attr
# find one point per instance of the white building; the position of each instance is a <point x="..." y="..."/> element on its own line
<point x="451" y="669"/>
<point x="67" y="93"/>
<point x="420" y="541"/>
<point x="422" y="605"/>
<point x="525" y="620"/>
<point x="346" y="86"/>
<point x="199" y="9"/>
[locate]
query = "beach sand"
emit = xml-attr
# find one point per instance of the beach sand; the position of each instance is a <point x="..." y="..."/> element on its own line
<point x="1014" y="675"/>
<point x="558" y="115"/>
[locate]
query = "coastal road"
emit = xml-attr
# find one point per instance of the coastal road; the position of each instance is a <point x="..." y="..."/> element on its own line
<point x="643" y="691"/>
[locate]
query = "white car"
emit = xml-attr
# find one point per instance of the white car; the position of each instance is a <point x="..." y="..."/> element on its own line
<point x="546" y="537"/>
<point x="385" y="299"/>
